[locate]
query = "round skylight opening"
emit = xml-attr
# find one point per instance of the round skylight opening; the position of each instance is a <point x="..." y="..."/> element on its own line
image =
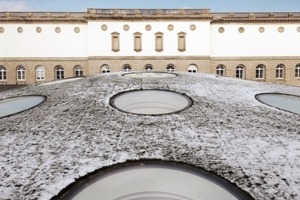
<point x="15" y="105"/>
<point x="150" y="75"/>
<point x="287" y="102"/>
<point x="150" y="102"/>
<point x="152" y="181"/>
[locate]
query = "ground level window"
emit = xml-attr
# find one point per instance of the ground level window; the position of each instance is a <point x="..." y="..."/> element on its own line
<point x="240" y="71"/>
<point x="2" y="73"/>
<point x="260" y="71"/>
<point x="59" y="72"/>
<point x="78" y="72"/>
<point x="192" y="69"/>
<point x="279" y="74"/>
<point x="170" y="68"/>
<point x="105" y="69"/>
<point x="297" y="71"/>
<point x="21" y="73"/>
<point x="40" y="73"/>
<point x="148" y="68"/>
<point x="220" y="70"/>
<point x="126" y="68"/>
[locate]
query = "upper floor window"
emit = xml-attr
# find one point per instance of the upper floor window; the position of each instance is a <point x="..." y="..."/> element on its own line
<point x="181" y="41"/>
<point x="2" y="73"/>
<point x="260" y="71"/>
<point x="170" y="68"/>
<point x="279" y="74"/>
<point x="78" y="72"/>
<point x="126" y="68"/>
<point x="148" y="68"/>
<point x="159" y="45"/>
<point x="21" y="73"/>
<point x="59" y="72"/>
<point x="192" y="69"/>
<point x="240" y="71"/>
<point x="137" y="42"/>
<point x="297" y="71"/>
<point x="40" y="73"/>
<point x="115" y="43"/>
<point x="220" y="70"/>
<point x="105" y="69"/>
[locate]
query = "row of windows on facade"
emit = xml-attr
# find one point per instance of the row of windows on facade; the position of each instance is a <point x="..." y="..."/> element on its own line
<point x="78" y="71"/>
<point x="261" y="29"/>
<point x="159" y="42"/>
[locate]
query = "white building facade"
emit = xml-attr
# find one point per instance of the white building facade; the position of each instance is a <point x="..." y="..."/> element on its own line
<point x="38" y="47"/>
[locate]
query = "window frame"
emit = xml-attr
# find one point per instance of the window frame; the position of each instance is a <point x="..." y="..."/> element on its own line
<point x="40" y="73"/>
<point x="170" y="68"/>
<point x="115" y="42"/>
<point x="21" y="73"/>
<point x="240" y="71"/>
<point x="59" y="72"/>
<point x="181" y="41"/>
<point x="220" y="70"/>
<point x="104" y="69"/>
<point x="280" y="71"/>
<point x="78" y="70"/>
<point x="297" y="71"/>
<point x="260" y="71"/>
<point x="159" y="41"/>
<point x="3" y="73"/>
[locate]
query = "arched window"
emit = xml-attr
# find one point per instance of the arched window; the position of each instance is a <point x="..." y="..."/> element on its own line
<point x="220" y="70"/>
<point x="260" y="71"/>
<point x="40" y="73"/>
<point x="240" y="71"/>
<point x="297" y="71"/>
<point x="21" y="73"/>
<point x="2" y="73"/>
<point x="126" y="68"/>
<point x="59" y="72"/>
<point x="279" y="74"/>
<point x="105" y="69"/>
<point x="78" y="72"/>
<point x="148" y="68"/>
<point x="192" y="68"/>
<point x="170" y="68"/>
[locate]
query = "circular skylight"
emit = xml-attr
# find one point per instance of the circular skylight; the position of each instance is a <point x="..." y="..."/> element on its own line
<point x="285" y="102"/>
<point x="150" y="75"/>
<point x="153" y="181"/>
<point x="18" y="104"/>
<point x="150" y="102"/>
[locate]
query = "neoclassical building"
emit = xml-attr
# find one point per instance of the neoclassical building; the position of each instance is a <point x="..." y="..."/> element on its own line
<point x="44" y="46"/>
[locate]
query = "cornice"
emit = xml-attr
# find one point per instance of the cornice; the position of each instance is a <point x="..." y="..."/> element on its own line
<point x="149" y="14"/>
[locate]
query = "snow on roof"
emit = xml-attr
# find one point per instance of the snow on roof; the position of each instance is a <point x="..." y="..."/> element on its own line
<point x="75" y="131"/>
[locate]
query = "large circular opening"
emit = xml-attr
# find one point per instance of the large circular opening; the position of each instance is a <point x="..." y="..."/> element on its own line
<point x="285" y="102"/>
<point x="18" y="104"/>
<point x="150" y="102"/>
<point x="153" y="181"/>
<point x="150" y="75"/>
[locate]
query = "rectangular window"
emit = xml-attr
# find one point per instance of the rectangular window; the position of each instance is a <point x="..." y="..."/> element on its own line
<point x="115" y="42"/>
<point x="21" y="75"/>
<point x="181" y="41"/>
<point x="159" y="45"/>
<point x="137" y="42"/>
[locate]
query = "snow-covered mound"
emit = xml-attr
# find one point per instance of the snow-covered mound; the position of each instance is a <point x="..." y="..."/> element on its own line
<point x="75" y="131"/>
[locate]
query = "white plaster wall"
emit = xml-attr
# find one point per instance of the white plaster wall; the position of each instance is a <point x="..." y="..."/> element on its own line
<point x="253" y="43"/>
<point x="197" y="42"/>
<point x="48" y="43"/>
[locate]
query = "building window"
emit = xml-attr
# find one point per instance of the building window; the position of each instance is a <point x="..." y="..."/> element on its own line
<point x="192" y="69"/>
<point x="2" y="73"/>
<point x="220" y="70"/>
<point x="240" y="71"/>
<point x="105" y="69"/>
<point x="20" y="73"/>
<point x="78" y="72"/>
<point x="148" y="68"/>
<point x="181" y="41"/>
<point x="59" y="72"/>
<point x="297" y="71"/>
<point x="279" y="71"/>
<point x="159" y="45"/>
<point x="137" y="42"/>
<point x="260" y="71"/>
<point x="126" y="68"/>
<point x="170" y="68"/>
<point x="115" y="43"/>
<point x="40" y="73"/>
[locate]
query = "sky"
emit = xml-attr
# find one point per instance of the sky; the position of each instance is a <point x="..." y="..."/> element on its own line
<point x="214" y="5"/>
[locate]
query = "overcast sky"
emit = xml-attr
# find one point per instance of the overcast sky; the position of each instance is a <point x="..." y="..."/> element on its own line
<point x="214" y="5"/>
